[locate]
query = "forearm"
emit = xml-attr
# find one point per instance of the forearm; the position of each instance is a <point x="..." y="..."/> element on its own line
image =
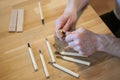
<point x="77" y="5"/>
<point x="109" y="44"/>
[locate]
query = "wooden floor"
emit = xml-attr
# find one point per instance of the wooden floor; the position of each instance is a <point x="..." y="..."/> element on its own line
<point x="102" y="6"/>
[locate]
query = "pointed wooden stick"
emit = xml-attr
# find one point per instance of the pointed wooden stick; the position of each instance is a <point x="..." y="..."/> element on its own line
<point x="44" y="65"/>
<point x="50" y="51"/>
<point x="32" y="58"/>
<point x="66" y="70"/>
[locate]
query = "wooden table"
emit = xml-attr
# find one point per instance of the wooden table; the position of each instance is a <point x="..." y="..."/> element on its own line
<point x="15" y="63"/>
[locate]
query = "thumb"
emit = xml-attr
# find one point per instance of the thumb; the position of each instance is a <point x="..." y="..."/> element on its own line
<point x="60" y="22"/>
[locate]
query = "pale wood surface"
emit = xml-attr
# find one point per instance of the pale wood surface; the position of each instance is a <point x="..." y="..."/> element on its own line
<point x="15" y="63"/>
<point x="20" y="20"/>
<point x="13" y="20"/>
<point x="102" y="6"/>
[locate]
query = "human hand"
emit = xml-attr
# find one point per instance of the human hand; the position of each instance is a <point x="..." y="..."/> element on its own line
<point x="83" y="41"/>
<point x="66" y="22"/>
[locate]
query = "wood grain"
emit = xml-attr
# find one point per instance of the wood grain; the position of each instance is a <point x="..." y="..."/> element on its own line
<point x="13" y="21"/>
<point x="20" y="20"/>
<point x="15" y="63"/>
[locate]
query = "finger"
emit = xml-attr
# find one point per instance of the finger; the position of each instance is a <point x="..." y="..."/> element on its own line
<point x="61" y="21"/>
<point x="71" y="44"/>
<point x="81" y="31"/>
<point x="81" y="52"/>
<point x="69" y="24"/>
<point x="71" y="37"/>
<point x="57" y="33"/>
<point x="74" y="43"/>
<point x="68" y="33"/>
<point x="77" y="48"/>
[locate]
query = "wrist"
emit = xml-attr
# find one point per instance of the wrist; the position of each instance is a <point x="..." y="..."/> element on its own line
<point x="104" y="42"/>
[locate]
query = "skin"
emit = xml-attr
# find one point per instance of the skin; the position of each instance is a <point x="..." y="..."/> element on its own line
<point x="82" y="40"/>
<point x="68" y="19"/>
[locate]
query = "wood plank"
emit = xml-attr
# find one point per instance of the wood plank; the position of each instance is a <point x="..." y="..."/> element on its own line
<point x="20" y="20"/>
<point x="13" y="20"/>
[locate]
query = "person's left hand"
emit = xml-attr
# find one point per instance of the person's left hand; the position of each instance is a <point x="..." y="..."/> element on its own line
<point x="83" y="41"/>
<point x="66" y="22"/>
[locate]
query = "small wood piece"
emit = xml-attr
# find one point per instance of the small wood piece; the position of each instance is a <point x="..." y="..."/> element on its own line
<point x="72" y="54"/>
<point x="20" y="20"/>
<point x="50" y="51"/>
<point x="44" y="65"/>
<point x="41" y="14"/>
<point x="74" y="60"/>
<point x="32" y="58"/>
<point x="61" y="33"/>
<point x="13" y="20"/>
<point x="66" y="70"/>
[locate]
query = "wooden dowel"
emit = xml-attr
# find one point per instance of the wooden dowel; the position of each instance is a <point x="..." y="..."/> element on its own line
<point x="32" y="58"/>
<point x="66" y="70"/>
<point x="44" y="65"/>
<point x="50" y="51"/>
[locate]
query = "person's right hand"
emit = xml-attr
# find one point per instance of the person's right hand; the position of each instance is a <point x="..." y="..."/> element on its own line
<point x="66" y="22"/>
<point x="83" y="41"/>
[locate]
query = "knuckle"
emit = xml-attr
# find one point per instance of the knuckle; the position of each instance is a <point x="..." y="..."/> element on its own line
<point x="82" y="30"/>
<point x="73" y="20"/>
<point x="77" y="36"/>
<point x="82" y="52"/>
<point x="77" y="42"/>
<point x="79" y="47"/>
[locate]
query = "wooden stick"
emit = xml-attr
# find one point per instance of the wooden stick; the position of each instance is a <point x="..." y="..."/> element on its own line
<point x="66" y="70"/>
<point x="44" y="65"/>
<point x="71" y="54"/>
<point x="50" y="51"/>
<point x="13" y="21"/>
<point x="41" y="14"/>
<point x="20" y="20"/>
<point x="32" y="58"/>
<point x="75" y="60"/>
